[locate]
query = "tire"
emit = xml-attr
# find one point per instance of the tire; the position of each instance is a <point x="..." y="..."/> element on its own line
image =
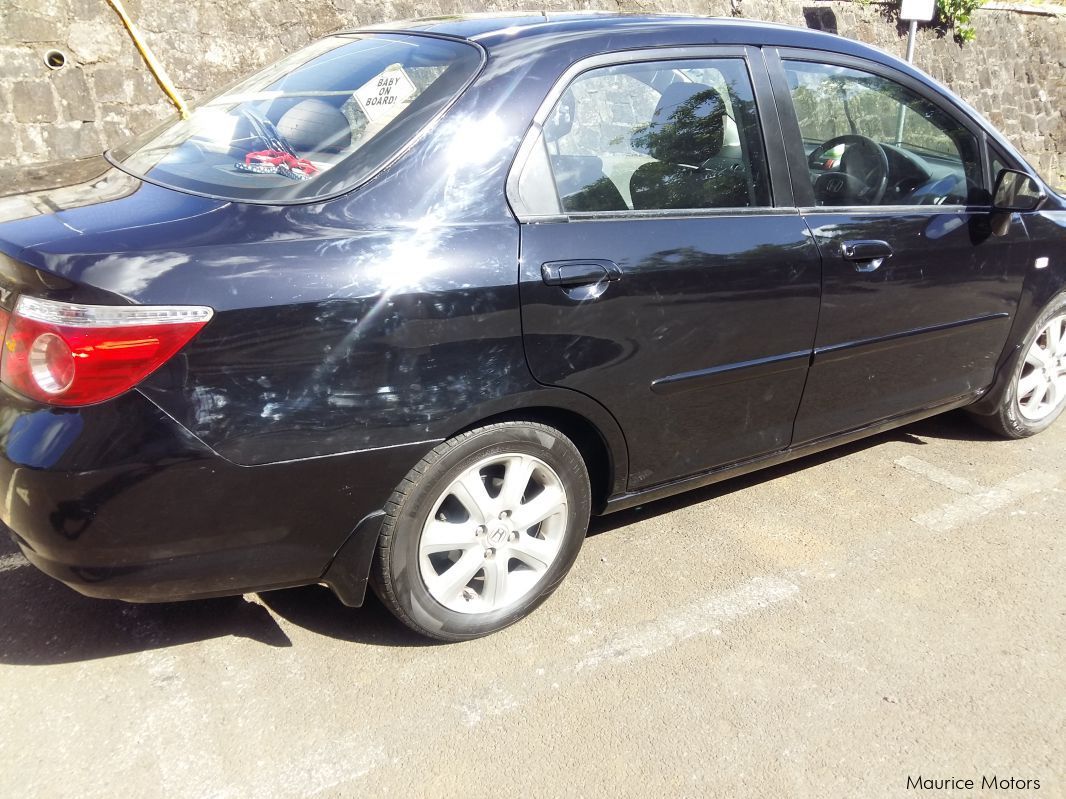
<point x="1019" y="416"/>
<point x="421" y="565"/>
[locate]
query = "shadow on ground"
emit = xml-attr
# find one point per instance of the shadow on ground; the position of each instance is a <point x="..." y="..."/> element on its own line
<point x="43" y="622"/>
<point x="956" y="426"/>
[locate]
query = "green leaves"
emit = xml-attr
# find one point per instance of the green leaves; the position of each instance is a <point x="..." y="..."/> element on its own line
<point x="957" y="14"/>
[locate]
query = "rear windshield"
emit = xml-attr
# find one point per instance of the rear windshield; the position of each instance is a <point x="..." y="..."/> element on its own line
<point x="313" y="124"/>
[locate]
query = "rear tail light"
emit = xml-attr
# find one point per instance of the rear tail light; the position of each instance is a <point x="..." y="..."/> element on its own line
<point x="66" y="354"/>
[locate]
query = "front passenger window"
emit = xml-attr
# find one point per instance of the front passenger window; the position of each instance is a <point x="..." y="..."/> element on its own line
<point x="872" y="141"/>
<point x="670" y="135"/>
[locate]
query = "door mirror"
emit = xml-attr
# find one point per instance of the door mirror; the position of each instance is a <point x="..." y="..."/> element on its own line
<point x="1017" y="191"/>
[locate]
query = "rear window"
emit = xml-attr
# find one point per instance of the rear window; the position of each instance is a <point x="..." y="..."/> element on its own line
<point x="316" y="123"/>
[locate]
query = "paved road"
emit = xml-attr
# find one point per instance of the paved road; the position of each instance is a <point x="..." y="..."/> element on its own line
<point x="825" y="629"/>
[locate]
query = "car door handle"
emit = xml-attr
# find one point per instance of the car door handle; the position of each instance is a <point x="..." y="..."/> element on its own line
<point x="868" y="254"/>
<point x="579" y="273"/>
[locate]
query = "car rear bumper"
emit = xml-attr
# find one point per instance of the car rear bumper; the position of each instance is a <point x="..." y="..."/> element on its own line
<point x="120" y="501"/>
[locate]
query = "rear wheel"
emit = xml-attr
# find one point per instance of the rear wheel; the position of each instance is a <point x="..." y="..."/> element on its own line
<point x="1036" y="395"/>
<point x="482" y="530"/>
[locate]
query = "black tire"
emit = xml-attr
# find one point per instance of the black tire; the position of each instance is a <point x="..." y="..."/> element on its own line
<point x="1006" y="418"/>
<point x="396" y="577"/>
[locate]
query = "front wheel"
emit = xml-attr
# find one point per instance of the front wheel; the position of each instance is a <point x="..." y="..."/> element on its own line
<point x="1037" y="392"/>
<point x="482" y="530"/>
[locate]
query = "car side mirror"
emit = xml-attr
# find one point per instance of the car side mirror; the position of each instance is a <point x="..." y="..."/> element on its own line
<point x="1015" y="191"/>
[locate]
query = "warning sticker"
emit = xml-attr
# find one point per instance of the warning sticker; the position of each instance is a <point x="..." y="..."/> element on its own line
<point x="385" y="96"/>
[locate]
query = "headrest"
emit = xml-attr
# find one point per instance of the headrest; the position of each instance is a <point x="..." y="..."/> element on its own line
<point x="686" y="127"/>
<point x="561" y="120"/>
<point x="315" y="126"/>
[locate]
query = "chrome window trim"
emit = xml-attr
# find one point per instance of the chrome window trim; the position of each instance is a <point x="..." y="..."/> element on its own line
<point x="668" y="213"/>
<point x="879" y="210"/>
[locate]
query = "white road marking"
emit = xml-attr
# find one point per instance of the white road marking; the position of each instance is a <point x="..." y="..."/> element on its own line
<point x="937" y="475"/>
<point x="971" y="507"/>
<point x="188" y="759"/>
<point x="707" y="616"/>
<point x="13" y="561"/>
<point x="311" y="772"/>
<point x="494" y="702"/>
<point x="194" y="765"/>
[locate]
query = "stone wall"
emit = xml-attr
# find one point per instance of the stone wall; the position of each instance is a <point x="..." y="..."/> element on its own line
<point x="1014" y="71"/>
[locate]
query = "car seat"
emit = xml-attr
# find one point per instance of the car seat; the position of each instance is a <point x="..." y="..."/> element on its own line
<point x="686" y="138"/>
<point x="315" y="126"/>
<point x="579" y="179"/>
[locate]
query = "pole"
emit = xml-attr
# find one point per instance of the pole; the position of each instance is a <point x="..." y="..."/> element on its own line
<point x="912" y="29"/>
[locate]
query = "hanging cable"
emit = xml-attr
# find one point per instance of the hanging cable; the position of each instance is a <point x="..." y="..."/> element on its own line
<point x="154" y="66"/>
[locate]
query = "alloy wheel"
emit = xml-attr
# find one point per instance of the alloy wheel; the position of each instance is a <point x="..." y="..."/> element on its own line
<point x="1042" y="382"/>
<point x="493" y="533"/>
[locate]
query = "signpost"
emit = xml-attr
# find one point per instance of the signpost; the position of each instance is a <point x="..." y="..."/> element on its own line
<point x="913" y="11"/>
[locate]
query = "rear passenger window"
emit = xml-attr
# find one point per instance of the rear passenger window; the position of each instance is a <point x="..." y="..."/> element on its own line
<point x="650" y="136"/>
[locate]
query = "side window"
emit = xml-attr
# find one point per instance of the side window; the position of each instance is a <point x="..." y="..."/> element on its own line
<point x="871" y="141"/>
<point x="670" y="135"/>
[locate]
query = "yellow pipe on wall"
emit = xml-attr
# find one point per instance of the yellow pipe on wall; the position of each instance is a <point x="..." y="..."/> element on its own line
<point x="154" y="66"/>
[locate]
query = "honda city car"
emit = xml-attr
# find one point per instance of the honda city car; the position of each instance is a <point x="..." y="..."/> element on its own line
<point x="406" y="307"/>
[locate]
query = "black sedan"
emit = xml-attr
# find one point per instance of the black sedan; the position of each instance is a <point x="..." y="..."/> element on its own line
<point x="409" y="305"/>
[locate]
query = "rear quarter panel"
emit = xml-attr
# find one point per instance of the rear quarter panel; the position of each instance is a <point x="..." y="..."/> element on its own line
<point x="370" y="320"/>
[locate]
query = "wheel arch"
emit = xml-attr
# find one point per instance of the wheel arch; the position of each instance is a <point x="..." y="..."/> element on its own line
<point x="589" y="425"/>
<point x="584" y="421"/>
<point x="1040" y="290"/>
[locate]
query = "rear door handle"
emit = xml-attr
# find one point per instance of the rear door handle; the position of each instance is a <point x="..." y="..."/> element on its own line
<point x="867" y="254"/>
<point x="579" y="272"/>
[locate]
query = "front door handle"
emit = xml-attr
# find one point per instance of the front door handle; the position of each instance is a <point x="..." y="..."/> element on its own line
<point x="867" y="254"/>
<point x="582" y="272"/>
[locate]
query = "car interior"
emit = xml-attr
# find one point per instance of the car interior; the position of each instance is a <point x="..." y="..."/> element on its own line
<point x="635" y="137"/>
<point x="686" y="137"/>
<point x="686" y="152"/>
<point x="870" y="141"/>
<point x="579" y="178"/>
<point x="291" y="124"/>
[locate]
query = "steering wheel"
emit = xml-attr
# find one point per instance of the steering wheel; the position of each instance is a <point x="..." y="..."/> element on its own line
<point x="936" y="191"/>
<point x="267" y="133"/>
<point x="862" y="176"/>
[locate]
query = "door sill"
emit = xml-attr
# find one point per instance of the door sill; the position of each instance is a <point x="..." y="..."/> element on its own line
<point x="631" y="499"/>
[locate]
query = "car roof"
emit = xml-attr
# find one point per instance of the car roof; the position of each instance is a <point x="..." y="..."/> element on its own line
<point x="607" y="31"/>
<point x="495" y="29"/>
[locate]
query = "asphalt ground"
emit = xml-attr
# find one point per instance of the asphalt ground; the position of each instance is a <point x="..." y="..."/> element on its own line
<point x="887" y="611"/>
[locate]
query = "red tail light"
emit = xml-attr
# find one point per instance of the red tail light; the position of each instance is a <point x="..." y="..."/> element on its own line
<point x="65" y="354"/>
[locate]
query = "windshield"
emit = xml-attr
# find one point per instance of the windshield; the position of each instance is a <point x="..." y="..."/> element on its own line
<point x="313" y="124"/>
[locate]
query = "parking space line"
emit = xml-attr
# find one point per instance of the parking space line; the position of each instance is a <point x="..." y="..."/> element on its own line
<point x="971" y="507"/>
<point x="641" y="641"/>
<point x="937" y="475"/>
<point x="654" y="637"/>
<point x="13" y="561"/>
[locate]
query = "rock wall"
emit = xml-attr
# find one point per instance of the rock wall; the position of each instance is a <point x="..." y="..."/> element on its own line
<point x="1013" y="72"/>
